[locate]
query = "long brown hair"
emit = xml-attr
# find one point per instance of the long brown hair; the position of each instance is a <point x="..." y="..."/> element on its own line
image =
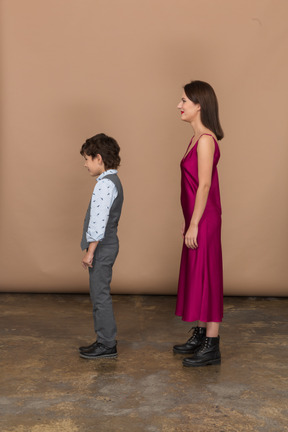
<point x="203" y="94"/>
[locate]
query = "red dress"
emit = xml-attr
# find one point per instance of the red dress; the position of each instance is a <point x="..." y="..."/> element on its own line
<point x="200" y="288"/>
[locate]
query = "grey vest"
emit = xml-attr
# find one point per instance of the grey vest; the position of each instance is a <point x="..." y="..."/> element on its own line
<point x="110" y="235"/>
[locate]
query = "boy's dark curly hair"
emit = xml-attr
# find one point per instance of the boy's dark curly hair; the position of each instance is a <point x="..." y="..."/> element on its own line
<point x="104" y="145"/>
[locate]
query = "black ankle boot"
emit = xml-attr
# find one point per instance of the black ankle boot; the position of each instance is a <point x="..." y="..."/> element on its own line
<point x="207" y="354"/>
<point x="194" y="342"/>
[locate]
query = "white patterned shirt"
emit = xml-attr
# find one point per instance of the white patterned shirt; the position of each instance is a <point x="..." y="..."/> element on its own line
<point x="102" y="199"/>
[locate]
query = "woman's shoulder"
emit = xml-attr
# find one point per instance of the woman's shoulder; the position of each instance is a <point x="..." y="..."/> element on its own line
<point x="207" y="140"/>
<point x="208" y="145"/>
<point x="208" y="136"/>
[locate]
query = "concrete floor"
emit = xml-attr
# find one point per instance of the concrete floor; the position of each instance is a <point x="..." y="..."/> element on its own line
<point x="46" y="387"/>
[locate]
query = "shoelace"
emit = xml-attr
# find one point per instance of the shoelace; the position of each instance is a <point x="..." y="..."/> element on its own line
<point x="203" y="346"/>
<point x="196" y="331"/>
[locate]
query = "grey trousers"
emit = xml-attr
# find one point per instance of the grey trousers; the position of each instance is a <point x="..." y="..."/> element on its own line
<point x="100" y="276"/>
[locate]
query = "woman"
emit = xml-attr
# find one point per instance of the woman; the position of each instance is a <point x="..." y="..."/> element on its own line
<point x="200" y="289"/>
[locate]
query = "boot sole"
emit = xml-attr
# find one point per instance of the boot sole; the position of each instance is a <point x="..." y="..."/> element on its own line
<point x="207" y="363"/>
<point x="83" y="355"/>
<point x="184" y="352"/>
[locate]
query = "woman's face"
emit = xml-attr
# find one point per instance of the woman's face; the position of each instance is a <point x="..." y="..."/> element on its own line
<point x="189" y="110"/>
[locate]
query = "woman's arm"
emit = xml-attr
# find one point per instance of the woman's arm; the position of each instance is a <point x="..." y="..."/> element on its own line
<point x="205" y="153"/>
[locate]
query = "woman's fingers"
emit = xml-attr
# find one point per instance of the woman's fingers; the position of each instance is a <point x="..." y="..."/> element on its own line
<point x="191" y="243"/>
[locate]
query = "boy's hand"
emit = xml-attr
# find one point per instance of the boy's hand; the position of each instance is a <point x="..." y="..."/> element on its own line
<point x="87" y="260"/>
<point x="88" y="257"/>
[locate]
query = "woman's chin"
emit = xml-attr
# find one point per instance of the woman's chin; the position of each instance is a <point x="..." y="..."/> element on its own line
<point x="183" y="118"/>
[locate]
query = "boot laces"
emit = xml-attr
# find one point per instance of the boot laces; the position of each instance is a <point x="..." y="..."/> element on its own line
<point x="203" y="346"/>
<point x="195" y="333"/>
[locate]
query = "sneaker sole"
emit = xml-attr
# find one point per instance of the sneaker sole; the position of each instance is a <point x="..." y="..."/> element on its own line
<point x="99" y="356"/>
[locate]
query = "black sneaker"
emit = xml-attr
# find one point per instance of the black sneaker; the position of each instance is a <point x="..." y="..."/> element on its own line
<point x="99" y="350"/>
<point x="88" y="348"/>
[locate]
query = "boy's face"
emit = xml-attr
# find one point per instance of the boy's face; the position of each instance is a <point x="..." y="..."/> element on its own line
<point x="95" y="166"/>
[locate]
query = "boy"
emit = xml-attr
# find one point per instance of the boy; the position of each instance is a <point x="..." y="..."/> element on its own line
<point x="99" y="239"/>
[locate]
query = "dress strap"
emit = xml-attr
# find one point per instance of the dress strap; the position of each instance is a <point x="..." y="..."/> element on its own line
<point x="196" y="143"/>
<point x="205" y="134"/>
<point x="215" y="141"/>
<point x="208" y="135"/>
<point x="188" y="148"/>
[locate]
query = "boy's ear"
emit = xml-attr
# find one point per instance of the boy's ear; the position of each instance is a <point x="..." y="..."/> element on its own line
<point x="99" y="158"/>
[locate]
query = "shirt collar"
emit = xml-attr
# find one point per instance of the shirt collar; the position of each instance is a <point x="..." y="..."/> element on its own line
<point x="110" y="171"/>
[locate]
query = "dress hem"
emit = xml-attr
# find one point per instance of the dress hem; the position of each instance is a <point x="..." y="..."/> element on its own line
<point x="200" y="319"/>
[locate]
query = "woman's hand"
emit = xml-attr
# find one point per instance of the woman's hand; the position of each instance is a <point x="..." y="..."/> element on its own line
<point x="191" y="237"/>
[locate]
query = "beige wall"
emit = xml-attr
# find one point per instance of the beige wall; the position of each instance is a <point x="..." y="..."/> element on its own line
<point x="73" y="68"/>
